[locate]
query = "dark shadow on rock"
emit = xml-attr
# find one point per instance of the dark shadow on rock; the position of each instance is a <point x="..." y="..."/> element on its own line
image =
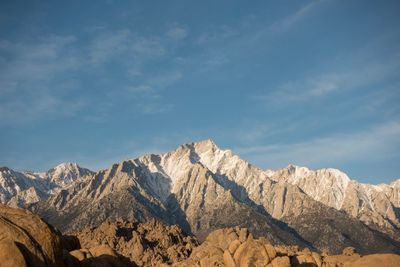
<point x="30" y="258"/>
<point x="70" y="242"/>
<point x="178" y="216"/>
<point x="295" y="263"/>
<point x="240" y="194"/>
<point x="397" y="212"/>
<point x="173" y="213"/>
<point x="107" y="261"/>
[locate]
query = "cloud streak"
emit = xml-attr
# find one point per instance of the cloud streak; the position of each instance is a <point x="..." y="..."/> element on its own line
<point x="29" y="84"/>
<point x="38" y="76"/>
<point x="376" y="143"/>
<point x="288" y="21"/>
<point x="177" y="33"/>
<point x="357" y="77"/>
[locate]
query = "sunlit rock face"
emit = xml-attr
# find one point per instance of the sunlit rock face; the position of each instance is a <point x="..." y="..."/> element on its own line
<point x="203" y="188"/>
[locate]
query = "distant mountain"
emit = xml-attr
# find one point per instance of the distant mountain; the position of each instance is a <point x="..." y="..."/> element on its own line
<point x="202" y="188"/>
<point x="25" y="188"/>
<point x="373" y="204"/>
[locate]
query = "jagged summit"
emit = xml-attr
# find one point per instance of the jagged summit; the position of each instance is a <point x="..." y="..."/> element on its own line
<point x="66" y="165"/>
<point x="66" y="173"/>
<point x="206" y="143"/>
<point x="201" y="186"/>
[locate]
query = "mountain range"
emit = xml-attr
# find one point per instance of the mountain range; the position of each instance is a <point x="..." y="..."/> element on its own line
<point x="203" y="188"/>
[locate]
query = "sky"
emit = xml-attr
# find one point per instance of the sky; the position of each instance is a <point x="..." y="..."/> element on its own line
<point x="310" y="83"/>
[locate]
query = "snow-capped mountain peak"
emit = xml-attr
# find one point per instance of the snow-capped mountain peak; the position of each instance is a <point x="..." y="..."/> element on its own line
<point x="66" y="173"/>
<point x="201" y="170"/>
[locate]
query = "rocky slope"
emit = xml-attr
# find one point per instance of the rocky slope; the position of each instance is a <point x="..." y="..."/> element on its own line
<point x="372" y="204"/>
<point x="21" y="189"/>
<point x="26" y="240"/>
<point x="203" y="188"/>
<point x="144" y="244"/>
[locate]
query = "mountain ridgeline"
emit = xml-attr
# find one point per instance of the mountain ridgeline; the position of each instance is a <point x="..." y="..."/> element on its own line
<point x="203" y="188"/>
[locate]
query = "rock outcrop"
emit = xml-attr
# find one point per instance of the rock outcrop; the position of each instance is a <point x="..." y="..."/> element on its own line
<point x="203" y="188"/>
<point x="375" y="205"/>
<point x="28" y="240"/>
<point x="145" y="244"/>
<point x="102" y="255"/>
<point x="236" y="247"/>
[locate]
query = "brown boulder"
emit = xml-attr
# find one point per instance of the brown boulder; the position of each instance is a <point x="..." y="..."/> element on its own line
<point x="281" y="262"/>
<point x="373" y="260"/>
<point x="223" y="237"/>
<point x="102" y="250"/>
<point x="270" y="250"/>
<point x="10" y="255"/>
<point x="228" y="260"/>
<point x="303" y="260"/>
<point x="339" y="260"/>
<point x="99" y="256"/>
<point x="38" y="242"/>
<point x="317" y="259"/>
<point x="81" y="254"/>
<point x="233" y="246"/>
<point x="251" y="253"/>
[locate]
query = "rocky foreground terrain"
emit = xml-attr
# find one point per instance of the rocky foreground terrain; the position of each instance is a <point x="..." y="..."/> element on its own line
<point x="26" y="240"/>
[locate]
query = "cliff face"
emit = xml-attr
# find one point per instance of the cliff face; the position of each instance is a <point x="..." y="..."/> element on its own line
<point x="202" y="188"/>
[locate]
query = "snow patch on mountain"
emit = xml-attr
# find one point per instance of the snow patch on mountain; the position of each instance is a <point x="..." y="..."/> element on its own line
<point x="24" y="188"/>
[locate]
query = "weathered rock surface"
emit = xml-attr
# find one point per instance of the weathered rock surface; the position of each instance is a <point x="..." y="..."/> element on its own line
<point x="203" y="188"/>
<point x="102" y="255"/>
<point x="27" y="241"/>
<point x="387" y="260"/>
<point x="375" y="205"/>
<point x="145" y="244"/>
<point x="224" y="247"/>
<point x="25" y="234"/>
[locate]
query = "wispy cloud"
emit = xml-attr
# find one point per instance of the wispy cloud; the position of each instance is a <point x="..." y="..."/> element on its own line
<point x="321" y="85"/>
<point x="217" y="35"/>
<point x="155" y="108"/>
<point x="376" y="143"/>
<point x="144" y="85"/>
<point x="164" y="79"/>
<point x="19" y="111"/>
<point x="107" y="45"/>
<point x="290" y="20"/>
<point x="257" y="131"/>
<point x="149" y="92"/>
<point x="29" y="83"/>
<point x="40" y="61"/>
<point x="38" y="74"/>
<point x="221" y="43"/>
<point x="177" y="33"/>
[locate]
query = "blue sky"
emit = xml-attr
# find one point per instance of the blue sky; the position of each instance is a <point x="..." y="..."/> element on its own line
<point x="313" y="83"/>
